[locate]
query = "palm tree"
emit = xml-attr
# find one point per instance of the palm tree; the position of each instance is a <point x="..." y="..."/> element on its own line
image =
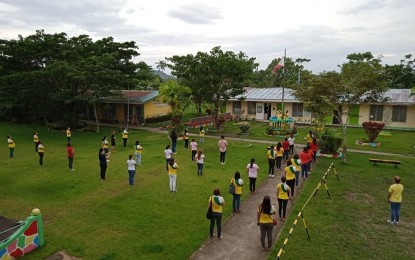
<point x="161" y="65"/>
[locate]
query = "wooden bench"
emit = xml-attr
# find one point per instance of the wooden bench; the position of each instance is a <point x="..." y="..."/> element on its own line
<point x="374" y="161"/>
<point x="200" y="121"/>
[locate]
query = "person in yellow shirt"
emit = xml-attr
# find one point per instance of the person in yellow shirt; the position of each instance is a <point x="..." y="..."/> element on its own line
<point x="138" y="152"/>
<point x="309" y="137"/>
<point x="11" y="145"/>
<point x="297" y="163"/>
<point x="105" y="145"/>
<point x="68" y="134"/>
<point x="265" y="221"/>
<point x="36" y="140"/>
<point x="279" y="152"/>
<point x="216" y="202"/>
<point x="172" y="169"/>
<point x="289" y="173"/>
<point x="202" y="135"/>
<point x="282" y="196"/>
<point x="238" y="183"/>
<point x="41" y="152"/>
<point x="271" y="161"/>
<point x="395" y="200"/>
<point x="124" y="137"/>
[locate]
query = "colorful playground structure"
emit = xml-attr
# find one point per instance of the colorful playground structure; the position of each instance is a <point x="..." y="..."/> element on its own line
<point x="18" y="238"/>
<point x="281" y="125"/>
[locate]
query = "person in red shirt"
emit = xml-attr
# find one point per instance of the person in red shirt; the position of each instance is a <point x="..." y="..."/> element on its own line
<point x="311" y="153"/>
<point x="70" y="151"/>
<point x="305" y="159"/>
<point x="314" y="148"/>
<point x="286" y="147"/>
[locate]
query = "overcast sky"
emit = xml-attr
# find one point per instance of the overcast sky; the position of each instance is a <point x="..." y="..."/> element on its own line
<point x="324" y="31"/>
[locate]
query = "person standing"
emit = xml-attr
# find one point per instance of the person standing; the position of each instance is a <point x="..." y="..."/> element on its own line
<point x="282" y="195"/>
<point x="309" y="137"/>
<point x="289" y="173"/>
<point x="271" y="161"/>
<point x="200" y="160"/>
<point x="395" y="200"/>
<point x="41" y="152"/>
<point x="173" y="138"/>
<point x="278" y="156"/>
<point x="68" y="135"/>
<point x="252" y="169"/>
<point x="216" y="202"/>
<point x="172" y="174"/>
<point x="305" y="158"/>
<point x="286" y="146"/>
<point x="291" y="141"/>
<point x="314" y="149"/>
<point x="113" y="143"/>
<point x="131" y="169"/>
<point x="11" y="144"/>
<point x="70" y="152"/>
<point x="105" y="145"/>
<point x="193" y="147"/>
<point x="297" y="163"/>
<point x="310" y="155"/>
<point x="102" y="157"/>
<point x="202" y="134"/>
<point x="36" y="140"/>
<point x="138" y="152"/>
<point x="265" y="221"/>
<point x="186" y="139"/>
<point x="168" y="156"/>
<point x="222" y="144"/>
<point x="124" y="135"/>
<point x="238" y="183"/>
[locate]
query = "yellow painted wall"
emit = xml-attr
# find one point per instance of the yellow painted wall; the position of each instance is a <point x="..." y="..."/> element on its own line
<point x="119" y="112"/>
<point x="155" y="108"/>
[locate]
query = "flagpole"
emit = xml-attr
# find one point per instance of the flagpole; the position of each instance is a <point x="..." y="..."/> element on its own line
<point x="282" y="83"/>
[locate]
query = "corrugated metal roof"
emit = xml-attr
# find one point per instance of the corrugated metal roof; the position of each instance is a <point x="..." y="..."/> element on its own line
<point x="266" y="94"/>
<point x="400" y="96"/>
<point x="134" y="96"/>
<point x="396" y="96"/>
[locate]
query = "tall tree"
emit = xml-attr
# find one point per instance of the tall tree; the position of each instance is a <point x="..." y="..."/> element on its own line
<point x="402" y="75"/>
<point x="361" y="79"/>
<point x="161" y="65"/>
<point x="215" y="76"/>
<point x="177" y="96"/>
<point x="56" y="75"/>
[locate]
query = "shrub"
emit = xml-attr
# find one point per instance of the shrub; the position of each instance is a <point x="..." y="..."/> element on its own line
<point x="157" y="119"/>
<point x="372" y="129"/>
<point x="244" y="127"/>
<point x="329" y="143"/>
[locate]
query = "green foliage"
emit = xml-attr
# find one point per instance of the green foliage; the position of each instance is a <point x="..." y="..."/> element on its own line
<point x="244" y="127"/>
<point x="214" y="77"/>
<point x="57" y="76"/>
<point x="158" y="119"/>
<point x="402" y="75"/>
<point x="329" y="143"/>
<point x="372" y="129"/>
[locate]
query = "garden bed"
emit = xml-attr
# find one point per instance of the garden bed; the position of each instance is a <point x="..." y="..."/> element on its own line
<point x="329" y="155"/>
<point x="365" y="143"/>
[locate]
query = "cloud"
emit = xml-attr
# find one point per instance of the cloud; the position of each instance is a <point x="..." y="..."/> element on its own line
<point x="196" y="14"/>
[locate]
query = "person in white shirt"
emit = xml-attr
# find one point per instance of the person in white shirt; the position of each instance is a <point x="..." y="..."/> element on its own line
<point x="252" y="169"/>
<point x="222" y="144"/>
<point x="131" y="169"/>
<point x="167" y="155"/>
<point x="291" y="141"/>
<point x="200" y="159"/>
<point x="193" y="147"/>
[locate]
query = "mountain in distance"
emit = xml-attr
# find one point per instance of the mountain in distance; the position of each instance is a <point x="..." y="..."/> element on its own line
<point x="163" y="75"/>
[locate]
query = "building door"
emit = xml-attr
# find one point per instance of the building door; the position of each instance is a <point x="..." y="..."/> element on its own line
<point x="259" y="111"/>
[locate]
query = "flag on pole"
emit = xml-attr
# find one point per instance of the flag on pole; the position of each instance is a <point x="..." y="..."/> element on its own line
<point x="279" y="65"/>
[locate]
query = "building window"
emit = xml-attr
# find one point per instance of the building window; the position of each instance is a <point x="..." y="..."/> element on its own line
<point x="399" y="114"/>
<point x="297" y="109"/>
<point x="251" y="108"/>
<point x="236" y="105"/>
<point x="108" y="111"/>
<point x="376" y="113"/>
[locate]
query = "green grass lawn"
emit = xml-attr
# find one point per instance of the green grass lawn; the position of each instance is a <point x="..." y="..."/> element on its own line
<point x="109" y="220"/>
<point x="352" y="224"/>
